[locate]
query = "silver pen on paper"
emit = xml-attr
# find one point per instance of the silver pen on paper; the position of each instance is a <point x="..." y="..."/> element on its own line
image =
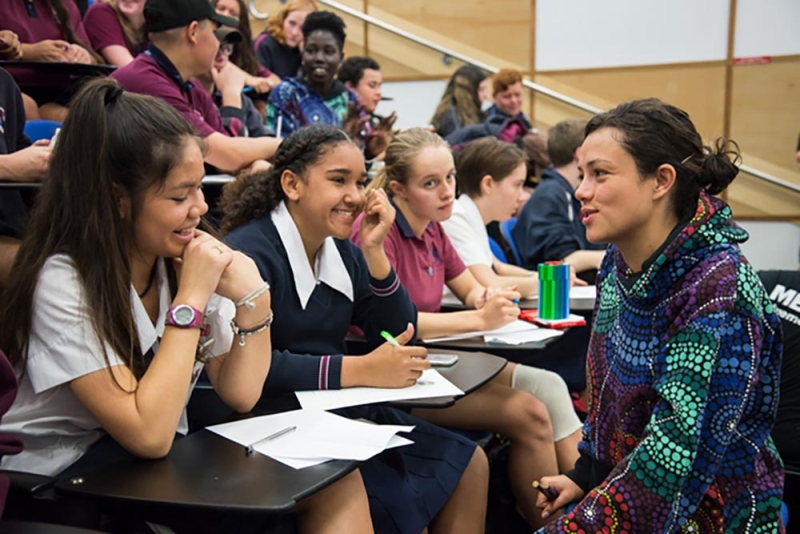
<point x="289" y="429"/>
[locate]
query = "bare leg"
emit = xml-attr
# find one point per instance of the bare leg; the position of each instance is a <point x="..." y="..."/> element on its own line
<point x="341" y="507"/>
<point x="567" y="451"/>
<point x="53" y="112"/>
<point x="520" y="417"/>
<point x="465" y="511"/>
<point x="31" y="109"/>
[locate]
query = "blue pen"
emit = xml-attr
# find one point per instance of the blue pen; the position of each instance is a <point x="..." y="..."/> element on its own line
<point x="515" y="301"/>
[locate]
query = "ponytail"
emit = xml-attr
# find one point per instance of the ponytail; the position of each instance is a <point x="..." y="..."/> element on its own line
<point x="655" y="133"/>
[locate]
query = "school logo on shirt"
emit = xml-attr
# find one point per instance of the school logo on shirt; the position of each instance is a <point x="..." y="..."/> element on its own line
<point x="2" y="121"/>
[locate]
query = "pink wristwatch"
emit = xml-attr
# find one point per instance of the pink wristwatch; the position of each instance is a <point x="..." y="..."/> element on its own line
<point x="185" y="316"/>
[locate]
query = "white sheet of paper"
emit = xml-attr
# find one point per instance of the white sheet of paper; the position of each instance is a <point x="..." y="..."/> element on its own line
<point x="319" y="436"/>
<point x="583" y="292"/>
<point x="525" y="336"/>
<point x="516" y="326"/>
<point x="430" y="384"/>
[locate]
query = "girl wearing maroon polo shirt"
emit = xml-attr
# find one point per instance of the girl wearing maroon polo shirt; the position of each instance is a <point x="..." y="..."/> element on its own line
<point x="530" y="406"/>
<point x="116" y="29"/>
<point x="49" y="31"/>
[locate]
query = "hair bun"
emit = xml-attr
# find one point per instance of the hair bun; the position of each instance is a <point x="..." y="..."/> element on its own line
<point x="719" y="166"/>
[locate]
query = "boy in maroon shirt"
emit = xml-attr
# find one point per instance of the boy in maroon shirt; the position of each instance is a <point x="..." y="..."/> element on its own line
<point x="183" y="45"/>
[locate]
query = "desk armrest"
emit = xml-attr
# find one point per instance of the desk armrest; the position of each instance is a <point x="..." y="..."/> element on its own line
<point x="28" y="483"/>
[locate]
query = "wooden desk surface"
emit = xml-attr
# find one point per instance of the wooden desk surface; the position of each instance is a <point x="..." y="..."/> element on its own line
<point x="204" y="470"/>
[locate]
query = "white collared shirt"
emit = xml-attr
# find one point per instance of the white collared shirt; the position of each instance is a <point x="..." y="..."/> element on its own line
<point x="56" y="428"/>
<point x="329" y="267"/>
<point x="468" y="234"/>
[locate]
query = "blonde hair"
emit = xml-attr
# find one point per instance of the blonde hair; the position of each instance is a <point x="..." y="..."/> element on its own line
<point x="133" y="37"/>
<point x="401" y="154"/>
<point x="275" y="24"/>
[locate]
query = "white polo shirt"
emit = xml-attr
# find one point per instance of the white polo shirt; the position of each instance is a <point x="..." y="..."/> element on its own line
<point x="56" y="428"/>
<point x="468" y="234"/>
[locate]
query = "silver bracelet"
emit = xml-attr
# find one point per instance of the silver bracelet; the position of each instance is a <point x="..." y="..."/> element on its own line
<point x="255" y="330"/>
<point x="248" y="299"/>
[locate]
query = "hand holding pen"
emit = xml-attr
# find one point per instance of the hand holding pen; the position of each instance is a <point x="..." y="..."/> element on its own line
<point x="555" y="493"/>
<point x="394" y="364"/>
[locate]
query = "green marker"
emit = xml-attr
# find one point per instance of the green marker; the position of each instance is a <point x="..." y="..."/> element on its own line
<point x="390" y="338"/>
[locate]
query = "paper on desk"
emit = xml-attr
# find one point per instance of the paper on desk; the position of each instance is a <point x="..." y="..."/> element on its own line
<point x="300" y="463"/>
<point x="319" y="437"/>
<point x="517" y="334"/>
<point x="583" y="292"/>
<point x="516" y="326"/>
<point x="430" y="384"/>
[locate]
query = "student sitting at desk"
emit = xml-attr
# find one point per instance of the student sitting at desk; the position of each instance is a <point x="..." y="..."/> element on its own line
<point x="530" y="406"/>
<point x="491" y="175"/>
<point x="316" y="97"/>
<point x="116" y="29"/>
<point x="684" y="360"/>
<point x="49" y="31"/>
<point x="19" y="162"/>
<point x="183" y="45"/>
<point x="294" y="222"/>
<point x="118" y="301"/>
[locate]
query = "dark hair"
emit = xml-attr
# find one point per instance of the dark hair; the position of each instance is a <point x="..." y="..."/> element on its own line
<point x="352" y="69"/>
<point x="655" y="133"/>
<point x="325" y="21"/>
<point x="534" y="143"/>
<point x="486" y="156"/>
<point x="461" y="93"/>
<point x="563" y="140"/>
<point x="64" y="21"/>
<point x="253" y="196"/>
<point x="112" y="141"/>
<point x="244" y="55"/>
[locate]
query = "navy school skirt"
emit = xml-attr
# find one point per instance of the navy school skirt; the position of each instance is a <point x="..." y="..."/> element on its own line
<point x="407" y="486"/>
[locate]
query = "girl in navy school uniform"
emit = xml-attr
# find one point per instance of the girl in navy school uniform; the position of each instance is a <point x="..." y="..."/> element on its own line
<point x="118" y="300"/>
<point x="294" y="222"/>
<point x="530" y="406"/>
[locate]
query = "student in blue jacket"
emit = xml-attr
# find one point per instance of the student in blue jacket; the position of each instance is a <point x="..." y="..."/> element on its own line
<point x="294" y="222"/>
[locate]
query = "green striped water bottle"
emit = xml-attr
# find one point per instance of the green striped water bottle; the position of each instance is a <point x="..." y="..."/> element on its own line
<point x="553" y="290"/>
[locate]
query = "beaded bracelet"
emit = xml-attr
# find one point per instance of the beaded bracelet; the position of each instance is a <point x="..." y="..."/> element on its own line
<point x="237" y="331"/>
<point x="248" y="299"/>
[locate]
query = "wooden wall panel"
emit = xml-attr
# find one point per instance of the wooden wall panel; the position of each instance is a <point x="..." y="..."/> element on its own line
<point x="698" y="89"/>
<point x="765" y="115"/>
<point x="499" y="27"/>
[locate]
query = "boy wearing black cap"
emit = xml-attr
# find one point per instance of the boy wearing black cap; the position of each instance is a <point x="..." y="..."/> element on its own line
<point x="184" y="39"/>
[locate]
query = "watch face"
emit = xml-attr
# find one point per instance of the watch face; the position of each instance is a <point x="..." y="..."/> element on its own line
<point x="183" y="315"/>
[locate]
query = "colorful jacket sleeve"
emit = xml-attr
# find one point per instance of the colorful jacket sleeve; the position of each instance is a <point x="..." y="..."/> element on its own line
<point x="704" y="377"/>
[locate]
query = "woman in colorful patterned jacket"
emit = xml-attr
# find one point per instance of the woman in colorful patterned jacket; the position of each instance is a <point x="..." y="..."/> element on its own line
<point x="684" y="360"/>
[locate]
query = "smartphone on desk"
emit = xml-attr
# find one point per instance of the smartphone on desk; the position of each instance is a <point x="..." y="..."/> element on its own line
<point x="442" y="360"/>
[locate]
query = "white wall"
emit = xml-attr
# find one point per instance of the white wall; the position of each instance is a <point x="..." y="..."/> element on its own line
<point x="574" y="34"/>
<point x="772" y="245"/>
<point x="414" y="102"/>
<point x="767" y="28"/>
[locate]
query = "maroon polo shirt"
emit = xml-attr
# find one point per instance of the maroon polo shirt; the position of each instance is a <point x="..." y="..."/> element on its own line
<point x="104" y="29"/>
<point x="33" y="21"/>
<point x="423" y="264"/>
<point x="152" y="73"/>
